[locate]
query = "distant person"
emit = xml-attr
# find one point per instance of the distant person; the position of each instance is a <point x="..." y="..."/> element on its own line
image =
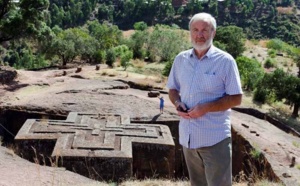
<point x="161" y="104"/>
<point x="204" y="84"/>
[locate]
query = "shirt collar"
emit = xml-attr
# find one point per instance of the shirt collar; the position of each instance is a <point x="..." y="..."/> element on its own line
<point x="208" y="54"/>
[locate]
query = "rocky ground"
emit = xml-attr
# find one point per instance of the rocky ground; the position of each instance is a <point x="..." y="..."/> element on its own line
<point x="108" y="91"/>
<point x="88" y="91"/>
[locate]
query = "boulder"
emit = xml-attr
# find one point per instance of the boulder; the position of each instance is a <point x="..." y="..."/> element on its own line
<point x="153" y="94"/>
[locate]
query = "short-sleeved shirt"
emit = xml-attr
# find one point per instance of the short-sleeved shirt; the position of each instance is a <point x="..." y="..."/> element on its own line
<point x="200" y="81"/>
<point x="161" y="103"/>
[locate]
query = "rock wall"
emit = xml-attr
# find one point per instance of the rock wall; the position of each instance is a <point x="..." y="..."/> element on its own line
<point x="246" y="166"/>
<point x="7" y="74"/>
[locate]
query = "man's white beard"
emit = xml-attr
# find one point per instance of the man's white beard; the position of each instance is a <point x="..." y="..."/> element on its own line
<point x="204" y="46"/>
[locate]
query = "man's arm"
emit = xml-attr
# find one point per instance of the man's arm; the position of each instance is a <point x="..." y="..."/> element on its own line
<point x="174" y="96"/>
<point x="175" y="99"/>
<point x="224" y="103"/>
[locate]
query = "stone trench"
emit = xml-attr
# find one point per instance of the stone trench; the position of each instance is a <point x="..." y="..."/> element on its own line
<point x="162" y="157"/>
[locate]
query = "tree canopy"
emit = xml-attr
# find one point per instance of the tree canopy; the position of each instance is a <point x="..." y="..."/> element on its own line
<point x="233" y="38"/>
<point x="23" y="18"/>
<point x="282" y="85"/>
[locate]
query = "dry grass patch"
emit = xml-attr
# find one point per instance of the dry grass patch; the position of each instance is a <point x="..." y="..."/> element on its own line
<point x="160" y="182"/>
<point x="285" y="10"/>
<point x="128" y="33"/>
<point x="154" y="182"/>
<point x="138" y="63"/>
<point x="10" y="152"/>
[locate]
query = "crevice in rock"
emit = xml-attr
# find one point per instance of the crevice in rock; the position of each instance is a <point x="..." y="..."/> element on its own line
<point x="13" y="118"/>
<point x="247" y="166"/>
<point x="140" y="86"/>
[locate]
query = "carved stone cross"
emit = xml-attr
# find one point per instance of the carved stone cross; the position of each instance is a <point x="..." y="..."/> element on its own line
<point x="102" y="147"/>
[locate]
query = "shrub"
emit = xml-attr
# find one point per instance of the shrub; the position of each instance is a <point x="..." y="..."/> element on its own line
<point x="255" y="153"/>
<point x="110" y="57"/>
<point x="260" y="95"/>
<point x="136" y="44"/>
<point x="275" y="44"/>
<point x="167" y="69"/>
<point x="220" y="45"/>
<point x="120" y="50"/>
<point x="269" y="63"/>
<point x="271" y="52"/>
<point x="140" y="26"/>
<point x="100" y="56"/>
<point x="125" y="59"/>
<point x="165" y="43"/>
<point x="250" y="71"/>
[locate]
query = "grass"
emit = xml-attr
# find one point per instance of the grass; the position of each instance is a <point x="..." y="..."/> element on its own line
<point x="296" y="144"/>
<point x="282" y="112"/>
<point x="155" y="182"/>
<point x="255" y="153"/>
<point x="163" y="182"/>
<point x="267" y="183"/>
<point x="148" y="69"/>
<point x="158" y="182"/>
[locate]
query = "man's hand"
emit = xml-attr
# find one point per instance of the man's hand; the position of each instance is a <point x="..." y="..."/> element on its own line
<point x="182" y="110"/>
<point x="198" y="111"/>
<point x="224" y="103"/>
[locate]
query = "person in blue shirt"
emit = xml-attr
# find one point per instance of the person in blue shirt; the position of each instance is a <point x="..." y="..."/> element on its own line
<point x="204" y="84"/>
<point x="161" y="104"/>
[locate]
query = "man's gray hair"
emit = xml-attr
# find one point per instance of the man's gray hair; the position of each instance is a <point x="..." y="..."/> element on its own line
<point x="204" y="17"/>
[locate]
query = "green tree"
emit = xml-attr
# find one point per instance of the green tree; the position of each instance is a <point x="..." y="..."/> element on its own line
<point x="233" y="38"/>
<point x="137" y="43"/>
<point x="165" y="43"/>
<point x="90" y="47"/>
<point x="295" y="54"/>
<point x="21" y="19"/>
<point x="250" y="71"/>
<point x="120" y="50"/>
<point x="26" y="60"/>
<point x="107" y="35"/>
<point x="193" y="7"/>
<point x="21" y="56"/>
<point x="110" y="57"/>
<point x="100" y="56"/>
<point x="167" y="68"/>
<point x="125" y="59"/>
<point x="71" y="43"/>
<point x="105" y="13"/>
<point x="71" y="13"/>
<point x="13" y="58"/>
<point x="57" y="15"/>
<point x="283" y="86"/>
<point x="140" y="26"/>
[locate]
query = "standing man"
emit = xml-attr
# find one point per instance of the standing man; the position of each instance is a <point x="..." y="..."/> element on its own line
<point x="204" y="84"/>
